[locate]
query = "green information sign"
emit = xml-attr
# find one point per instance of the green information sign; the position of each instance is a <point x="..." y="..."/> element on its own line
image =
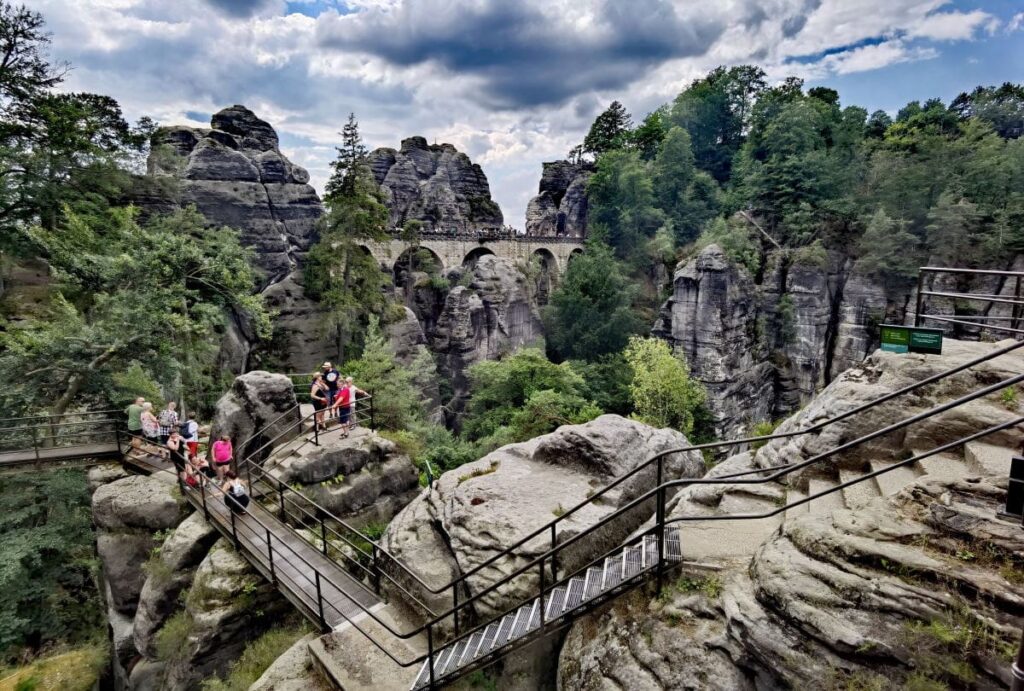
<point x="911" y="339"/>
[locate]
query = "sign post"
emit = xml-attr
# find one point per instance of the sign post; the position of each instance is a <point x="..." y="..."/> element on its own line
<point x="911" y="339"/>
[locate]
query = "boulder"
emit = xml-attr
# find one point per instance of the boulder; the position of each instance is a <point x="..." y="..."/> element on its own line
<point x="292" y="671"/>
<point x="136" y="502"/>
<point x="257" y="402"/>
<point x="168" y="576"/>
<point x="436" y="185"/>
<point x="228" y="605"/>
<point x="560" y="207"/>
<point x="483" y="507"/>
<point x="362" y="477"/>
<point x="99" y="475"/>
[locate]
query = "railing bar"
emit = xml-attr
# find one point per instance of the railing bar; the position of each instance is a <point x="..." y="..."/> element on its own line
<point x="971" y="296"/>
<point x="967" y="323"/>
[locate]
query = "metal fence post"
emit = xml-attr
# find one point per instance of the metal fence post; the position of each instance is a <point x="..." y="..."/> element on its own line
<point x="455" y="606"/>
<point x="323" y="531"/>
<point x="540" y="597"/>
<point x="430" y="653"/>
<point x="270" y="555"/>
<point x="920" y="298"/>
<point x="320" y="601"/>
<point x="554" y="556"/>
<point x="661" y="536"/>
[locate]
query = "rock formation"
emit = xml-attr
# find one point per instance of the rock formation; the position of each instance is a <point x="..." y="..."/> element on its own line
<point x="362" y="478"/>
<point x="435" y="184"/>
<point x="235" y="175"/>
<point x="560" y="207"/>
<point x="483" y="507"/>
<point x="489" y="313"/>
<point x="256" y="400"/>
<point x="763" y="349"/>
<point x="906" y="581"/>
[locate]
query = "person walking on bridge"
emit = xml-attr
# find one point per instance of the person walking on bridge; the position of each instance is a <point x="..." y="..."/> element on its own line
<point x="168" y="420"/>
<point x="222" y="453"/>
<point x="134" y="413"/>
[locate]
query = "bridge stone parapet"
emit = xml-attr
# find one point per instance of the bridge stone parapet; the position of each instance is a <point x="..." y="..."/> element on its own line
<point x="457" y="249"/>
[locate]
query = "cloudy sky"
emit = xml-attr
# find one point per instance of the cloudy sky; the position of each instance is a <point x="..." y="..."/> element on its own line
<point x="511" y="82"/>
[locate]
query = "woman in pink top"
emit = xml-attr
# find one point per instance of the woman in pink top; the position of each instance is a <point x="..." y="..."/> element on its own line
<point x="222" y="454"/>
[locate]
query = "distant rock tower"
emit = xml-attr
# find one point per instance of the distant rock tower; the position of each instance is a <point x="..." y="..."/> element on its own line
<point x="561" y="207"/>
<point x="437" y="185"/>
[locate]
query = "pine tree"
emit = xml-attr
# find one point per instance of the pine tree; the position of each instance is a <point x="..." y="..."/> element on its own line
<point x="351" y="155"/>
<point x="609" y="130"/>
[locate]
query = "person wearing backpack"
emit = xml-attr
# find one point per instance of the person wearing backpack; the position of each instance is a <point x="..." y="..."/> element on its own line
<point x="190" y="430"/>
<point x="235" y="494"/>
<point x="168" y="419"/>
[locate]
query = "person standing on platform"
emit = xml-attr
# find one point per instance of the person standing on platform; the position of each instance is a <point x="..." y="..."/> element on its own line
<point x="134" y="413"/>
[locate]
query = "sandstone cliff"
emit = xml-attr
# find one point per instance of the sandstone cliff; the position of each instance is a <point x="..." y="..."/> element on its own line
<point x="762" y="349"/>
<point x="908" y="580"/>
<point x="435" y="184"/>
<point x="560" y="207"/>
<point x="235" y="175"/>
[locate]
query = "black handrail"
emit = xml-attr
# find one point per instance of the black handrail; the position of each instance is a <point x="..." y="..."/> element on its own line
<point x="656" y="458"/>
<point x="660" y="493"/>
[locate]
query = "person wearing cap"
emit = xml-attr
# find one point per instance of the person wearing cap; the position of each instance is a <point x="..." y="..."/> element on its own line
<point x="332" y="378"/>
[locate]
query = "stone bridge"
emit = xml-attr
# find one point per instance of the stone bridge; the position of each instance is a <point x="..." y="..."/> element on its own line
<point x="458" y="249"/>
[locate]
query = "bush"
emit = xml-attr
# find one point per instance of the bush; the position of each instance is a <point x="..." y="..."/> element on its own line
<point x="663" y="393"/>
<point x="736" y="242"/>
<point x="257" y="657"/>
<point x="171" y="639"/>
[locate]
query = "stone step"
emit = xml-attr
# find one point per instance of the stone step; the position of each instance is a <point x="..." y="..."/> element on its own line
<point x="830" y="502"/>
<point x="792" y="495"/>
<point x="988" y="459"/>
<point x="861" y="494"/>
<point x="893" y="481"/>
<point x="944" y="466"/>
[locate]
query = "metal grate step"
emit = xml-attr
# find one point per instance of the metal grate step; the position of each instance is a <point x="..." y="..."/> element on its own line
<point x="628" y="563"/>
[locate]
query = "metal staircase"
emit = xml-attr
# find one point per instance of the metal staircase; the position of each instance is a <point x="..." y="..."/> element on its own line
<point x="575" y="595"/>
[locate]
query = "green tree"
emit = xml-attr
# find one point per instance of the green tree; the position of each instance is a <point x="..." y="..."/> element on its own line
<point x="621" y="198"/>
<point x="590" y="313"/>
<point x="663" y="393"/>
<point x="521" y="396"/>
<point x="647" y="136"/>
<point x="687" y="196"/>
<point x="339" y="272"/>
<point x="48" y="591"/>
<point x="715" y="112"/>
<point x="609" y="131"/>
<point x="888" y="252"/>
<point x="397" y="401"/>
<point x="126" y="294"/>
<point x="955" y="231"/>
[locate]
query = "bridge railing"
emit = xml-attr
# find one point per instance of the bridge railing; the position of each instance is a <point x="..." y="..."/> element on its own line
<point x="971" y="312"/>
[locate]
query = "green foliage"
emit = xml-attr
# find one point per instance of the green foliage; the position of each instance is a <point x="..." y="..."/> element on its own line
<point x="736" y="240"/>
<point x="606" y="382"/>
<point x="590" y="314"/>
<point x="813" y="255"/>
<point x="610" y="130"/>
<point x="709" y="586"/>
<point x="765" y="428"/>
<point x="888" y="251"/>
<point x="339" y="271"/>
<point x="522" y="396"/>
<point x="256" y="658"/>
<point x="397" y="401"/>
<point x="172" y="637"/>
<point x="172" y="280"/>
<point x="480" y="472"/>
<point x="786" y="317"/>
<point x="48" y="591"/>
<point x="663" y="393"/>
<point x="1009" y="398"/>
<point x="622" y="202"/>
<point x="688" y="197"/>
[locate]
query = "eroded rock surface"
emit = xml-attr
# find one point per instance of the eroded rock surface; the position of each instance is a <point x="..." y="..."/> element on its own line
<point x="493" y="315"/>
<point x="361" y="477"/>
<point x="227" y="606"/>
<point x="763" y="349"/>
<point x="256" y="400"/>
<point x="235" y="175"/>
<point x="435" y="184"/>
<point x="560" y="207"/>
<point x="483" y="507"/>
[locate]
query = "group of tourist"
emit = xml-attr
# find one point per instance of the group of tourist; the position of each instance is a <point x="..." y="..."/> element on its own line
<point x="333" y="397"/>
<point x="165" y="435"/>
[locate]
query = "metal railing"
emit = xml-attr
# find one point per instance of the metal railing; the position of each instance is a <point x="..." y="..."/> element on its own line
<point x="547" y="561"/>
<point x="1014" y="322"/>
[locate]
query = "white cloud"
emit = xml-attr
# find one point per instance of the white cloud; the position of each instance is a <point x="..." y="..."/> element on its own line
<point x="512" y="83"/>
<point x="1016" y="23"/>
<point x="954" y="26"/>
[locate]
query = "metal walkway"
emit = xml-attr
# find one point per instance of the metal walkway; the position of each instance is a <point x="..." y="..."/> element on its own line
<point x="324" y="592"/>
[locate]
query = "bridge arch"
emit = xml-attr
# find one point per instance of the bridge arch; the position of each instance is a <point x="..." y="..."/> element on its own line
<point x="413" y="260"/>
<point x="547" y="273"/>
<point x="473" y="256"/>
